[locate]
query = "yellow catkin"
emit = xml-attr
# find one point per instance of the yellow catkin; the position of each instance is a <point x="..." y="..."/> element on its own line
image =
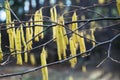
<point x="38" y="18"/>
<point x="8" y="15"/>
<point x="74" y="40"/>
<point x="44" y="70"/>
<point x="18" y="46"/>
<point x="1" y="53"/>
<point x="28" y="37"/>
<point x="13" y="38"/>
<point x="101" y="1"/>
<point x="70" y="78"/>
<point x="118" y="6"/>
<point x="41" y="23"/>
<point x="32" y="59"/>
<point x="61" y="40"/>
<point x="82" y="44"/>
<point x="92" y="36"/>
<point x="73" y="52"/>
<point x="53" y="13"/>
<point x="31" y="30"/>
<point x="63" y="30"/>
<point x="65" y="38"/>
<point x="58" y="33"/>
<point x="59" y="44"/>
<point x="10" y="32"/>
<point x="74" y="27"/>
<point x="92" y="25"/>
<point x="24" y="43"/>
<point x="81" y="40"/>
<point x="84" y="69"/>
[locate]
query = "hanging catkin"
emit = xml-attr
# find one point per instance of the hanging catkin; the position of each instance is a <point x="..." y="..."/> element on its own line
<point x="18" y="46"/>
<point x="74" y="40"/>
<point x="81" y="40"/>
<point x="73" y="52"/>
<point x="1" y="53"/>
<point x="38" y="20"/>
<point x="92" y="25"/>
<point x="53" y="13"/>
<point x="8" y="15"/>
<point x="75" y="27"/>
<point x="70" y="77"/>
<point x="29" y="33"/>
<point x="63" y="30"/>
<point x="24" y="43"/>
<point x="43" y="57"/>
<point x="64" y="38"/>
<point x="59" y="44"/>
<point x="101" y="1"/>
<point x="11" y="32"/>
<point x="82" y="43"/>
<point x="32" y="59"/>
<point x="58" y="33"/>
<point x="92" y="36"/>
<point x="61" y="40"/>
<point x="84" y="69"/>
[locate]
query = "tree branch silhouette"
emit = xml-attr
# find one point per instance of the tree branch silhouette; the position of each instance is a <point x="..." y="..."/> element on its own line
<point x="55" y="24"/>
<point x="61" y="61"/>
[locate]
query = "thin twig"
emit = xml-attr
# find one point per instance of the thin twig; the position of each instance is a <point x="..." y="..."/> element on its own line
<point x="61" y="61"/>
<point x="102" y="62"/>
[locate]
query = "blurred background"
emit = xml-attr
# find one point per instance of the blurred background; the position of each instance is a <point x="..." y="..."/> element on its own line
<point x="22" y="7"/>
<point x="109" y="70"/>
